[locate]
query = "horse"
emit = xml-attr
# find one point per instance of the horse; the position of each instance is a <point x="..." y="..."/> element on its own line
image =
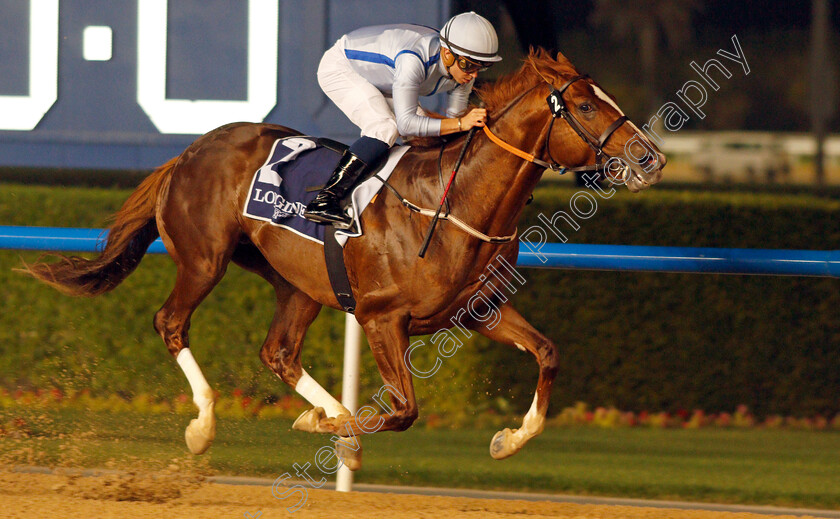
<point x="193" y="202"/>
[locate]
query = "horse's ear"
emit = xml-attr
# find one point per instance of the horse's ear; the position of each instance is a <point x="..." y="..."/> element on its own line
<point x="563" y="60"/>
<point x="540" y="53"/>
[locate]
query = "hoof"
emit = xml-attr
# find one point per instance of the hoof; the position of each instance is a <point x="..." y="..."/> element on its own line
<point x="308" y="420"/>
<point x="350" y="453"/>
<point x="502" y="445"/>
<point x="201" y="432"/>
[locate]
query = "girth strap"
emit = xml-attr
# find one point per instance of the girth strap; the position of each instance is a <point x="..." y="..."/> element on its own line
<point x="337" y="271"/>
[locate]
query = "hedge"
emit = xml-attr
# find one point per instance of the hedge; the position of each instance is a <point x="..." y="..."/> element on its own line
<point x="682" y="341"/>
<point x="638" y="341"/>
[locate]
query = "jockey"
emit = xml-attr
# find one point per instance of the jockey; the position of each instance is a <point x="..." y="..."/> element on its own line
<point x="375" y="75"/>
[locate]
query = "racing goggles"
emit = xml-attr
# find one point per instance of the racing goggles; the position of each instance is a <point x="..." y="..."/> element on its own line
<point x="469" y="66"/>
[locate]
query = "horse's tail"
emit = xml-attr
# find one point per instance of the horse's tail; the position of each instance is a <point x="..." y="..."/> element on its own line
<point x="132" y="231"/>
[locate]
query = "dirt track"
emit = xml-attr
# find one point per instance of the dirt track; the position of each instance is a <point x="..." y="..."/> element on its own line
<point x="162" y="496"/>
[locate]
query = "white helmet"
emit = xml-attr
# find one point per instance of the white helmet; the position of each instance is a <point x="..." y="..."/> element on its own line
<point x="472" y="36"/>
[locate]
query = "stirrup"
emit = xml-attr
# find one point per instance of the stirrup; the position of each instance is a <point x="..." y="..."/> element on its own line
<point x="339" y="221"/>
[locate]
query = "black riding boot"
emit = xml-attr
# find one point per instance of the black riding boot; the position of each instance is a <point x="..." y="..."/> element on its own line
<point x="326" y="208"/>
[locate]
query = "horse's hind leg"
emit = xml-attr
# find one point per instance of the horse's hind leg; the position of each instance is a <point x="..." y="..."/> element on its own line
<point x="281" y="350"/>
<point x="293" y="315"/>
<point x="514" y="330"/>
<point x="172" y="322"/>
<point x="200" y="233"/>
<point x="201" y="257"/>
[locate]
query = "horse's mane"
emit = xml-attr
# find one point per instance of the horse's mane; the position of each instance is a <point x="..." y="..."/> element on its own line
<point x="498" y="94"/>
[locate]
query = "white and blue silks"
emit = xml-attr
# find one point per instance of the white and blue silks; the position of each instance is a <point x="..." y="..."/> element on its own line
<point x="376" y="75"/>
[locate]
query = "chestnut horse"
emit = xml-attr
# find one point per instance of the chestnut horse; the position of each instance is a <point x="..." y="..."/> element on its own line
<point x="194" y="202"/>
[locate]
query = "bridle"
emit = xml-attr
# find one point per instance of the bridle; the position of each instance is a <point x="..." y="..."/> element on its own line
<point x="557" y="107"/>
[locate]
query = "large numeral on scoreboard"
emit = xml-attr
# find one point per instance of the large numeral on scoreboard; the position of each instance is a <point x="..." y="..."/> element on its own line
<point x="199" y="116"/>
<point x="25" y="112"/>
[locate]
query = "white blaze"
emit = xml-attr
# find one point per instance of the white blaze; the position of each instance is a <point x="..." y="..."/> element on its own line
<point x="607" y="99"/>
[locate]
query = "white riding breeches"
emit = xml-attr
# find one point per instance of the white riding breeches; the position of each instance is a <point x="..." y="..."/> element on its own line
<point x="363" y="103"/>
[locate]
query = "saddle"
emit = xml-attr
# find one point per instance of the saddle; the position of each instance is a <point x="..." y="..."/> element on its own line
<point x="294" y="171"/>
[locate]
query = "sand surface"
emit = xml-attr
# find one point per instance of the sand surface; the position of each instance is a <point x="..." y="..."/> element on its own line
<point x="178" y="495"/>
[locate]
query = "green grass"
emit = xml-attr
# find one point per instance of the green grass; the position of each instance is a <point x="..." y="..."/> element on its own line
<point x="770" y="467"/>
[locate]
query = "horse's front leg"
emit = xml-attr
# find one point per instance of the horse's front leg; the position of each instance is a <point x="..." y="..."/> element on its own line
<point x="514" y="330"/>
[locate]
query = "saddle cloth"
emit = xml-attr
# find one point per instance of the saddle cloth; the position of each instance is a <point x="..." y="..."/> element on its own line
<point x="282" y="187"/>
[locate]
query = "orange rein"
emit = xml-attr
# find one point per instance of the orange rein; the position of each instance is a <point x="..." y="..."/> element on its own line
<point x="516" y="151"/>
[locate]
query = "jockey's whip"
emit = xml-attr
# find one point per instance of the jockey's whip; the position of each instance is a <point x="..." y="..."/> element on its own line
<point x="431" y="230"/>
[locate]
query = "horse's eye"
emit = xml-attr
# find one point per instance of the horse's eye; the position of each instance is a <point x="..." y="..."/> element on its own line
<point x="585" y="108"/>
